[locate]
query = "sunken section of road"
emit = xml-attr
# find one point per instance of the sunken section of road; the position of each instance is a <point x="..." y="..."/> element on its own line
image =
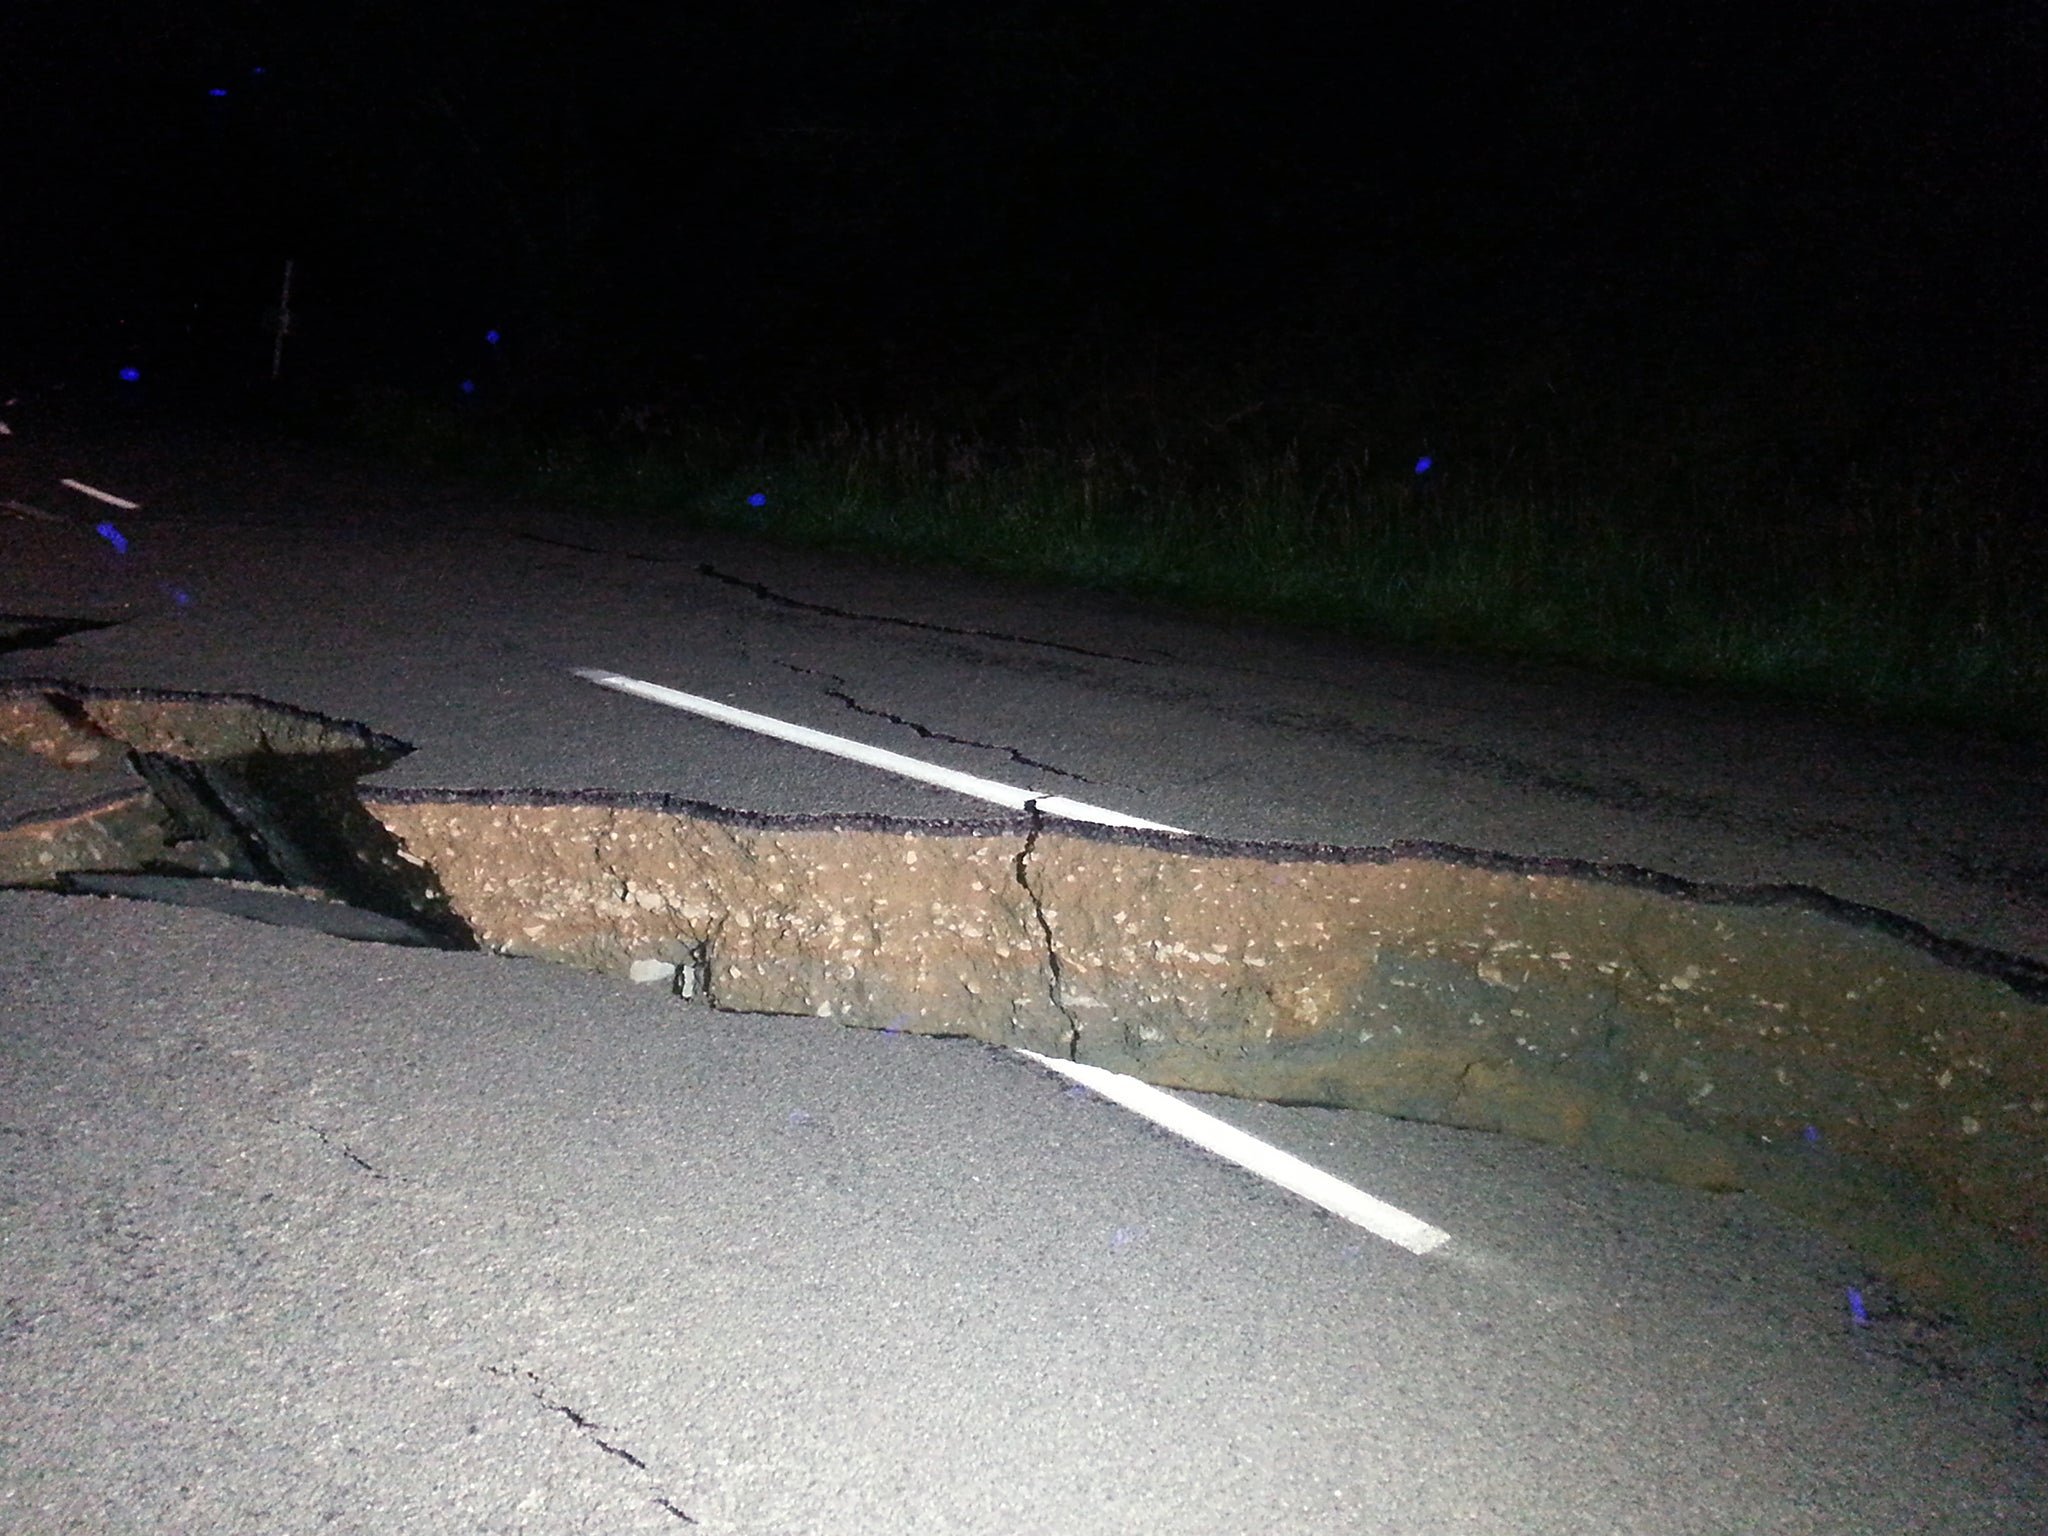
<point x="232" y="803"/>
<point x="1853" y="1068"/>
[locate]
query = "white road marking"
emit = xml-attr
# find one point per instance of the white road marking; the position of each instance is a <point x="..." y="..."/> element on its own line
<point x="97" y="495"/>
<point x="1254" y="1155"/>
<point x="1204" y="1130"/>
<point x="1007" y="795"/>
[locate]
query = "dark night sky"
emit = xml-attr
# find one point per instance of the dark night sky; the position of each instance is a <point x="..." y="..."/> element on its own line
<point x="959" y="190"/>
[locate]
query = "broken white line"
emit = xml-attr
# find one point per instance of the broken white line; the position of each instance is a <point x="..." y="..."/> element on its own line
<point x="1254" y="1155"/>
<point x="98" y="495"/>
<point x="1007" y="795"/>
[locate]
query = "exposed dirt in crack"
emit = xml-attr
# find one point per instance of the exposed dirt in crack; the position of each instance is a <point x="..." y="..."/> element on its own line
<point x="1688" y="1033"/>
<point x="1710" y="1036"/>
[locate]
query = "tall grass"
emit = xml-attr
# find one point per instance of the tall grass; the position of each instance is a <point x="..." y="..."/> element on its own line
<point x="1887" y="587"/>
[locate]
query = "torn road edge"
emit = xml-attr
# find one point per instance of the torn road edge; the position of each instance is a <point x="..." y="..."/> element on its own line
<point x="2026" y="977"/>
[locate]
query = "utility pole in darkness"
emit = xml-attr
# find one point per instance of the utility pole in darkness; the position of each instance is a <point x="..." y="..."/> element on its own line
<point x="283" y="324"/>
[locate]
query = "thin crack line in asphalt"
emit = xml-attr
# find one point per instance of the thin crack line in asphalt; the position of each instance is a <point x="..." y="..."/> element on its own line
<point x="768" y="595"/>
<point x="609" y="554"/>
<point x="959" y="741"/>
<point x="1007" y="795"/>
<point x="588" y="1426"/>
<point x="328" y="1141"/>
<point x="925" y="731"/>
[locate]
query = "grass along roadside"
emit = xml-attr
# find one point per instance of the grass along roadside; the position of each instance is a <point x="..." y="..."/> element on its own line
<point x="1903" y="594"/>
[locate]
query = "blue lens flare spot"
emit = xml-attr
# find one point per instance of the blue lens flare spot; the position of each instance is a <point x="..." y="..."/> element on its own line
<point x="491" y="337"/>
<point x="469" y="386"/>
<point x="216" y="91"/>
<point x="1813" y="1135"/>
<point x="113" y="536"/>
<point x="1856" y="1308"/>
<point x="757" y="500"/>
<point x="130" y="375"/>
<point x="1422" y="464"/>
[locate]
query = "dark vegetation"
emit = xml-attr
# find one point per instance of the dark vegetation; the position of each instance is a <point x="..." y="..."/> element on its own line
<point x="1721" y="337"/>
<point x="1904" y="585"/>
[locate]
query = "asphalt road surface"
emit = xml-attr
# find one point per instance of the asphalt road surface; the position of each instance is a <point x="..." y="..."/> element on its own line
<point x="302" y="1234"/>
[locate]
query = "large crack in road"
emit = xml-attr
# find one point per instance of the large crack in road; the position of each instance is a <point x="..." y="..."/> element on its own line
<point x="249" y="802"/>
<point x="1852" y="1067"/>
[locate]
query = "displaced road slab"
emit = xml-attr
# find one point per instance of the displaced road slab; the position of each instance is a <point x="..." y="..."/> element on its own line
<point x="1857" y="1070"/>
